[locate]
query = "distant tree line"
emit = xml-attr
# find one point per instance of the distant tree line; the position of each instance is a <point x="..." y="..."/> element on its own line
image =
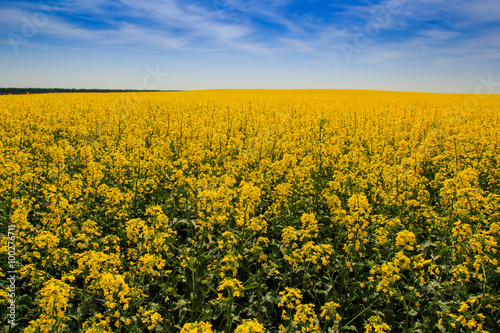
<point x="17" y="91"/>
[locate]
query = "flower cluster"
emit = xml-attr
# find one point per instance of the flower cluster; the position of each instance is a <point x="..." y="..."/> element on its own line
<point x="251" y="211"/>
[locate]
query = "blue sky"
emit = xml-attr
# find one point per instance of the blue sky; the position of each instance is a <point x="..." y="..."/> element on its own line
<point x="405" y="45"/>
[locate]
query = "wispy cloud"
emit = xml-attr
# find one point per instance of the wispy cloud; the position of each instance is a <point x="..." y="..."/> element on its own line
<point x="440" y="33"/>
<point x="159" y="23"/>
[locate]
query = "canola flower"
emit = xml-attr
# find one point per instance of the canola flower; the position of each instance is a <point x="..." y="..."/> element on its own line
<point x="376" y="325"/>
<point x="97" y="324"/>
<point x="151" y="319"/>
<point x="305" y="318"/>
<point x="55" y="295"/>
<point x="405" y="239"/>
<point x="197" y="327"/>
<point x="233" y="286"/>
<point x="251" y="211"/>
<point x="329" y="312"/>
<point x="250" y="326"/>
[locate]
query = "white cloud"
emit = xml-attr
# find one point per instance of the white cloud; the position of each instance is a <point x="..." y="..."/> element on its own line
<point x="439" y="34"/>
<point x="297" y="45"/>
<point x="482" y="11"/>
<point x="229" y="26"/>
<point x="192" y="20"/>
<point x="133" y="34"/>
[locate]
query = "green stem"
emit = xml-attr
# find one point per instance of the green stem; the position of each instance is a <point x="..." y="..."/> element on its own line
<point x="228" y="313"/>
<point x="359" y="314"/>
<point x="193" y="296"/>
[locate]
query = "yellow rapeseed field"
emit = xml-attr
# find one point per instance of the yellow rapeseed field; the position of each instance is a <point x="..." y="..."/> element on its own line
<point x="250" y="211"/>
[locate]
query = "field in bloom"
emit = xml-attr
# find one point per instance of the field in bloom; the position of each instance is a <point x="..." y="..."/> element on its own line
<point x="251" y="211"/>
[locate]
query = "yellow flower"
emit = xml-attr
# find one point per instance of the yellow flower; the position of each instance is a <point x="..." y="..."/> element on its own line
<point x="152" y="318"/>
<point x="329" y="311"/>
<point x="97" y="324"/>
<point x="55" y="297"/>
<point x="463" y="307"/>
<point x="358" y="203"/>
<point x="376" y="325"/>
<point x="405" y="239"/>
<point x="115" y="290"/>
<point x="306" y="319"/>
<point x="234" y="285"/>
<point x="197" y="327"/>
<point x="250" y="326"/>
<point x="54" y="300"/>
<point x="290" y="296"/>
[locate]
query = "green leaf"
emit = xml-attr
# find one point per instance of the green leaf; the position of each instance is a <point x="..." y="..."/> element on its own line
<point x="251" y="286"/>
<point x="427" y="244"/>
<point x="441" y="328"/>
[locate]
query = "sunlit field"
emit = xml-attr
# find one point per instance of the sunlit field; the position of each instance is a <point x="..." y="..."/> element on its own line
<point x="250" y="211"/>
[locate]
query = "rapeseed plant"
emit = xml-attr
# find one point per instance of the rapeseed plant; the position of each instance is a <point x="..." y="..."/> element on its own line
<point x="313" y="211"/>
